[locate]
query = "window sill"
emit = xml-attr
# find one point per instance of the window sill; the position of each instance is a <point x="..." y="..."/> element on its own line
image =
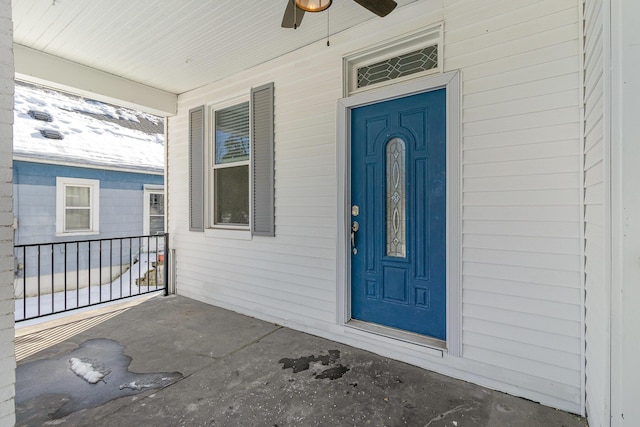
<point x="77" y="233"/>
<point x="226" y="233"/>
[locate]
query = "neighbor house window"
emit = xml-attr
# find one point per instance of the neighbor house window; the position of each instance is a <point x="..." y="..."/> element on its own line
<point x="231" y="166"/>
<point x="77" y="206"/>
<point x="153" y="210"/>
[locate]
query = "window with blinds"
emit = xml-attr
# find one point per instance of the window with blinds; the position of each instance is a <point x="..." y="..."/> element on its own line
<point x="232" y="134"/>
<point x="231" y="166"/>
<point x="240" y="166"/>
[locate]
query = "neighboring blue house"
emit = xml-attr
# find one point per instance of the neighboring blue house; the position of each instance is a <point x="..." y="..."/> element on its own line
<point x="82" y="170"/>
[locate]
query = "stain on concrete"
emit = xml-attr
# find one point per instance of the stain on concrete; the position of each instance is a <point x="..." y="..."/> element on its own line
<point x="303" y="363"/>
<point x="51" y="383"/>
<point x="332" y="373"/>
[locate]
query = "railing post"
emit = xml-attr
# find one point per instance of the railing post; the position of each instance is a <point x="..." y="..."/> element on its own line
<point x="166" y="264"/>
<point x="24" y="282"/>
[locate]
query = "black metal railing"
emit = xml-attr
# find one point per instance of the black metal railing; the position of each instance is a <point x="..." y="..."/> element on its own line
<point x="55" y="277"/>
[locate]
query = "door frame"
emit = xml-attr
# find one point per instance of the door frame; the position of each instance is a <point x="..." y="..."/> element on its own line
<point x="451" y="82"/>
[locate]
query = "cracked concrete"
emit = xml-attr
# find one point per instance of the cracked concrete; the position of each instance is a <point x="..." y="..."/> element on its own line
<point x="239" y="371"/>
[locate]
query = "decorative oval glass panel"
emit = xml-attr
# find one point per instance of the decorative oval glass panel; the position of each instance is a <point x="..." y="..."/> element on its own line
<point x="396" y="217"/>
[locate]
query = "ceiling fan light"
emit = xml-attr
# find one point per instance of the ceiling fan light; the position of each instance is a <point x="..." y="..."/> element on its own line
<point x="313" y="5"/>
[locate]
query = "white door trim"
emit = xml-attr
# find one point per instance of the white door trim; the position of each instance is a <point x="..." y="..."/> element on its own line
<point x="450" y="81"/>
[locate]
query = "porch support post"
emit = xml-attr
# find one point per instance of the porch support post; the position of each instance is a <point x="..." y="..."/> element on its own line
<point x="7" y="350"/>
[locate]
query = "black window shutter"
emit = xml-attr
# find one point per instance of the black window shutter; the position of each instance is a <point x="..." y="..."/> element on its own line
<point x="196" y="169"/>
<point x="262" y="160"/>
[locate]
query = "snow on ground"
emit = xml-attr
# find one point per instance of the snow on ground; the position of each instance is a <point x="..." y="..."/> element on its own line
<point x="85" y="370"/>
<point x="87" y="139"/>
<point x="121" y="287"/>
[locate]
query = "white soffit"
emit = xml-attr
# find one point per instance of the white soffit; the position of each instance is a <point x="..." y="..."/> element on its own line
<point x="151" y="50"/>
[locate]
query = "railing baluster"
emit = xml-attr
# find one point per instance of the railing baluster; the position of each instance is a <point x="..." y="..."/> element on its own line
<point x="148" y="279"/>
<point x="120" y="277"/>
<point x="139" y="262"/>
<point x="157" y="261"/>
<point x="65" y="276"/>
<point x="100" y="272"/>
<point x="77" y="274"/>
<point x="53" y="275"/>
<point x="130" y="264"/>
<point x="39" y="276"/>
<point x="89" y="270"/>
<point x="24" y="282"/>
<point x="111" y="270"/>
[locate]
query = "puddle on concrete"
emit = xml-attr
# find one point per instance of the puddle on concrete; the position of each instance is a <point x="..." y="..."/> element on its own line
<point x="303" y="363"/>
<point x="52" y="384"/>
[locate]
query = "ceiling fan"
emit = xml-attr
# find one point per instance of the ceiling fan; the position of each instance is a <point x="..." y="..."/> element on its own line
<point x="295" y="10"/>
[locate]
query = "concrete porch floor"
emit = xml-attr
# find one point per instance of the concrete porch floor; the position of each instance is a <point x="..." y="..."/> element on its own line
<point x="172" y="361"/>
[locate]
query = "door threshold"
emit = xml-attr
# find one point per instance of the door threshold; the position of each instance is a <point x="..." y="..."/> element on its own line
<point x="398" y="334"/>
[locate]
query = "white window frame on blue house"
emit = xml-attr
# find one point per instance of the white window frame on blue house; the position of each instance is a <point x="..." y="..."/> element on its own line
<point x="149" y="190"/>
<point x="62" y="183"/>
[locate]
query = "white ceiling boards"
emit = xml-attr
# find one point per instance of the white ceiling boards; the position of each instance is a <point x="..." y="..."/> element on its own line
<point x="167" y="47"/>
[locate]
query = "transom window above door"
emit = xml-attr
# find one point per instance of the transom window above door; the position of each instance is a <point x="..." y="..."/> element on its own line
<point x="404" y="58"/>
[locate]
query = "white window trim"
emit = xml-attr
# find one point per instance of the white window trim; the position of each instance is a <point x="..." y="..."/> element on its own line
<point x="220" y="230"/>
<point x="94" y="185"/>
<point x="148" y="190"/>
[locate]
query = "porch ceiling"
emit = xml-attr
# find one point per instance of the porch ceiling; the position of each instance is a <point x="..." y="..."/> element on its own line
<point x="167" y="46"/>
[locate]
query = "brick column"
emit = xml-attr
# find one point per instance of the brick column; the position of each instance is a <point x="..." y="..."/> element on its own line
<point x="7" y="354"/>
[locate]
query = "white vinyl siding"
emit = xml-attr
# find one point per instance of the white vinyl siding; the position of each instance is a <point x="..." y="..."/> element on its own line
<point x="597" y="289"/>
<point x="522" y="168"/>
<point x="521" y="199"/>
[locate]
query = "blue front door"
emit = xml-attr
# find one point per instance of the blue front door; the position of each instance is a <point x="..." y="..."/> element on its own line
<point x="398" y="213"/>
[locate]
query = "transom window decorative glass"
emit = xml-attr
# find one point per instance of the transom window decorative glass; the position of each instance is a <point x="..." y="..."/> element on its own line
<point x="396" y="218"/>
<point x="399" y="66"/>
<point x="231" y="168"/>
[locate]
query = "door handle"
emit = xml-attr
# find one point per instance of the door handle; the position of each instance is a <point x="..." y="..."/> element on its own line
<point x="354" y="229"/>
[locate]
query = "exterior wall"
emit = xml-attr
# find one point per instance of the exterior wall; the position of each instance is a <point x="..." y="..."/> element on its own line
<point x="121" y="201"/>
<point x="522" y="270"/>
<point x="597" y="285"/>
<point x="7" y="356"/>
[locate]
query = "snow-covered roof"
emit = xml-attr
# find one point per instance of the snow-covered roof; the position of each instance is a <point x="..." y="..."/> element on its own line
<point x="93" y="133"/>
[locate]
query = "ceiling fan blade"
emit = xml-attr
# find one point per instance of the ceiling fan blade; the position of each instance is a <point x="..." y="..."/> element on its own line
<point x="379" y="7"/>
<point x="292" y="15"/>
